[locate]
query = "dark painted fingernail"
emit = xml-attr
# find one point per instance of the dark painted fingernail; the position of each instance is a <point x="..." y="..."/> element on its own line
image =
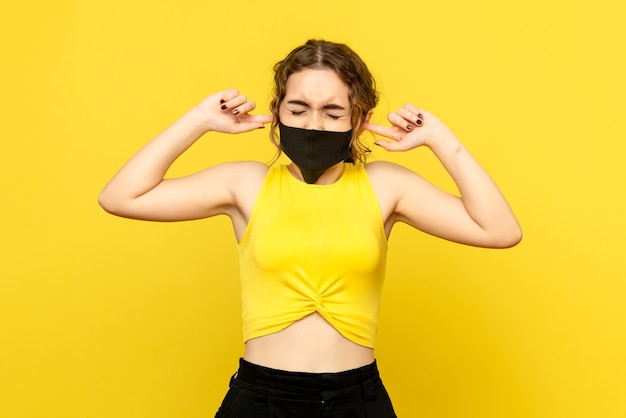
<point x="419" y="122"/>
<point x="419" y="115"/>
<point x="223" y="107"/>
<point x="409" y="127"/>
<point x="235" y="112"/>
<point x="222" y="101"/>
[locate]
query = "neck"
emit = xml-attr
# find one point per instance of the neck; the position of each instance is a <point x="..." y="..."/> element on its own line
<point x="330" y="176"/>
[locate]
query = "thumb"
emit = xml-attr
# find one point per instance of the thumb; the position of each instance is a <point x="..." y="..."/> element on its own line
<point x="390" y="146"/>
<point x="248" y="126"/>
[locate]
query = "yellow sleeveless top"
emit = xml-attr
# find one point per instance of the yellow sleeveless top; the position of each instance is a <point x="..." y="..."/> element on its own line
<point x="314" y="248"/>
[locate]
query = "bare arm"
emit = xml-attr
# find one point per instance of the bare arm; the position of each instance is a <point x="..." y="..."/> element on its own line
<point x="139" y="190"/>
<point x="480" y="216"/>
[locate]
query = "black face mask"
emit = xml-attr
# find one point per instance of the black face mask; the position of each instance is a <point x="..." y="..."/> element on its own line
<point x="313" y="151"/>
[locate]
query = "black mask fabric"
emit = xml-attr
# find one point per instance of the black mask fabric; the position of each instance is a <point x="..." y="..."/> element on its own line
<point x="314" y="151"/>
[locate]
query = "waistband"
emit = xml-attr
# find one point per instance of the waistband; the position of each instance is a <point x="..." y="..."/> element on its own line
<point x="319" y="386"/>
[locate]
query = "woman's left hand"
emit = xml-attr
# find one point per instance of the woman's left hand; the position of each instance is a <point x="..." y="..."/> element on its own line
<point x="411" y="127"/>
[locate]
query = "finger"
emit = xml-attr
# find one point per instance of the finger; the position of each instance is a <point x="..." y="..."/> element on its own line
<point x="244" y="108"/>
<point x="389" y="145"/>
<point x="251" y="122"/>
<point x="241" y="127"/>
<point x="385" y="131"/>
<point x="233" y="103"/>
<point x="400" y="122"/>
<point x="228" y="94"/>
<point x="414" y="118"/>
<point x="414" y="114"/>
<point x="259" y="119"/>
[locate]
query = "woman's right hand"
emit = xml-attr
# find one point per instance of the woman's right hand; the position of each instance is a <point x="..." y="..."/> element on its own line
<point x="228" y="111"/>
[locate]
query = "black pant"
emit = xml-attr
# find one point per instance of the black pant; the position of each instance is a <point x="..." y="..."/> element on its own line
<point x="261" y="392"/>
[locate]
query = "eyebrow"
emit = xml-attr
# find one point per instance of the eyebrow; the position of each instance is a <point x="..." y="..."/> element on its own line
<point x="330" y="106"/>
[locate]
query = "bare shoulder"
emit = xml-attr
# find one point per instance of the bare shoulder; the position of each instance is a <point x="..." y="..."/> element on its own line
<point x="389" y="173"/>
<point x="389" y="182"/>
<point x="238" y="174"/>
<point x="397" y="181"/>
<point x="243" y="178"/>
<point x="393" y="185"/>
<point x="247" y="168"/>
<point x="382" y="168"/>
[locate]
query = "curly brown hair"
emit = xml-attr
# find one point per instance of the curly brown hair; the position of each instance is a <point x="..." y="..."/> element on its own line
<point x="320" y="54"/>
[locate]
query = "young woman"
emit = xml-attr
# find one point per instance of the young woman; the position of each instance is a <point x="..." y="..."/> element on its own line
<point x="313" y="234"/>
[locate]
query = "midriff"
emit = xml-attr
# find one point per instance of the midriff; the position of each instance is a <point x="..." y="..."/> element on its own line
<point x="308" y="345"/>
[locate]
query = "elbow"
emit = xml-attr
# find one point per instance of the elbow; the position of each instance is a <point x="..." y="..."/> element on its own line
<point x="512" y="241"/>
<point x="509" y="238"/>
<point x="516" y="234"/>
<point x="122" y="206"/>
<point x="109" y="203"/>
<point x="105" y="202"/>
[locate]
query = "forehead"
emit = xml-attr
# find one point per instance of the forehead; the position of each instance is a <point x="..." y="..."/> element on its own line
<point x="317" y="86"/>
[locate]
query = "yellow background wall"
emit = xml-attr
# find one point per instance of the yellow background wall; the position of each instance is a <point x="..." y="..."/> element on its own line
<point x="106" y="317"/>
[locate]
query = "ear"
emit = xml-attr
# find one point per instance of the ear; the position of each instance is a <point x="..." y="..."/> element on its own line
<point x="367" y="118"/>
